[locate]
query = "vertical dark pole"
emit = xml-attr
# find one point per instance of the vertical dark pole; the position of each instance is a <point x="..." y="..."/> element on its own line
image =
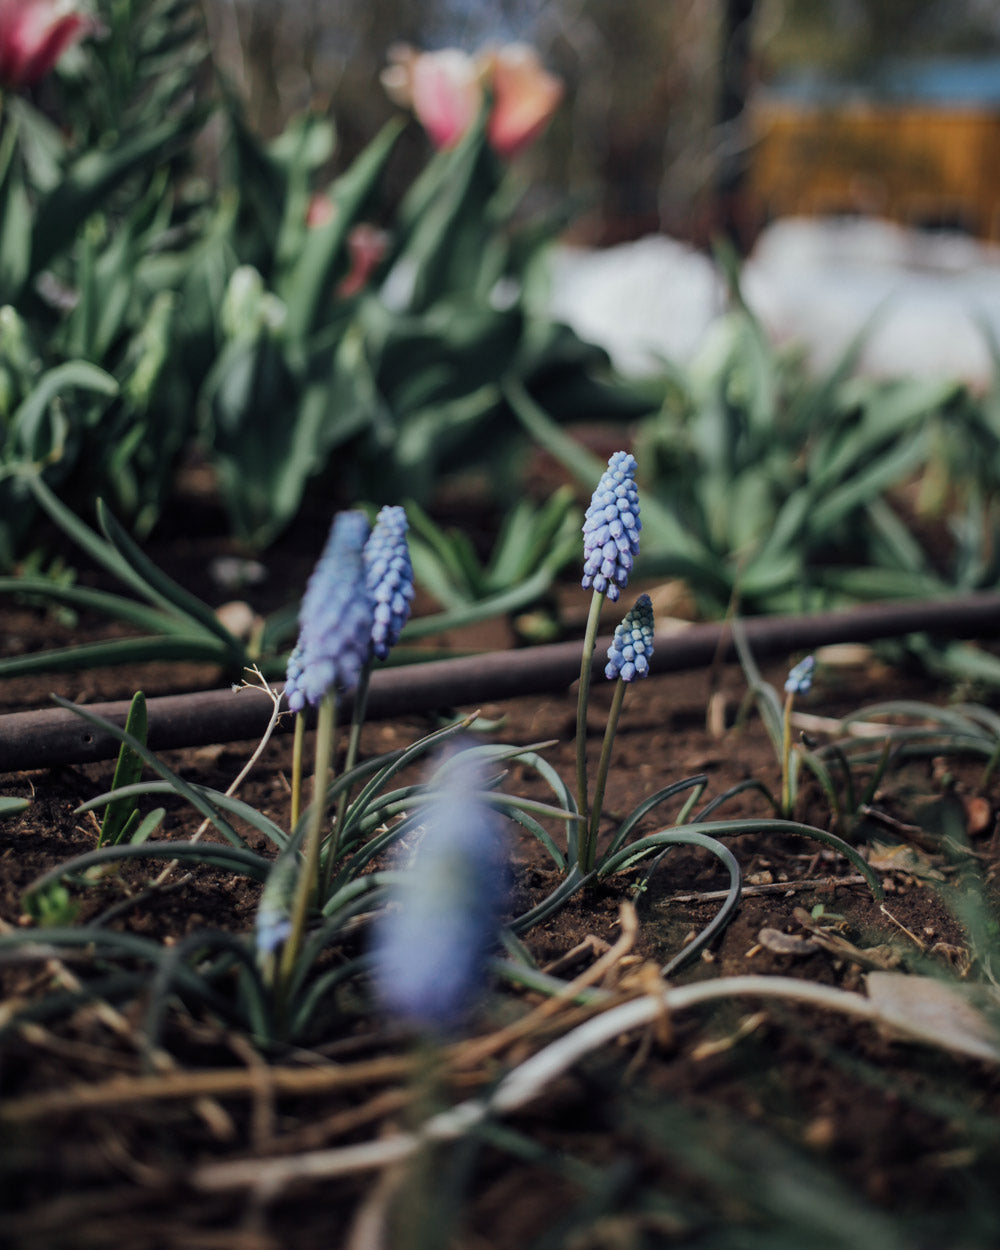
<point x="730" y="211"/>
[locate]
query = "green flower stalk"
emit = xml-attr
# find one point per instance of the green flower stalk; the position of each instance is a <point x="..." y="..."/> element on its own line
<point x="333" y="646"/>
<point x="292" y="677"/>
<point x="628" y="661"/>
<point x="799" y="681"/>
<point x="273" y="924"/>
<point x="335" y="624"/>
<point x="610" y="543"/>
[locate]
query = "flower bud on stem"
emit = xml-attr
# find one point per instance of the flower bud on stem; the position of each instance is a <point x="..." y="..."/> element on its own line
<point x="298" y="748"/>
<point x="588" y="850"/>
<point x="308" y="882"/>
<point x="586" y="664"/>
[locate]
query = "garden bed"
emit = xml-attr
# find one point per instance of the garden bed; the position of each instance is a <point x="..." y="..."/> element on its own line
<point x="744" y="1121"/>
<point x="693" y="1049"/>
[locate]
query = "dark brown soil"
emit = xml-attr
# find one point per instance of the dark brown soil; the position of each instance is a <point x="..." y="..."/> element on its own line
<point x="741" y="1125"/>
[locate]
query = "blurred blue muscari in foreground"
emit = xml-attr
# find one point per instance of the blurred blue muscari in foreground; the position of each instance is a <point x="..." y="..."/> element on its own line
<point x="632" y="645"/>
<point x="611" y="528"/>
<point x="800" y="678"/>
<point x="273" y="926"/>
<point x="336" y="618"/>
<point x="388" y="578"/>
<point x="433" y="940"/>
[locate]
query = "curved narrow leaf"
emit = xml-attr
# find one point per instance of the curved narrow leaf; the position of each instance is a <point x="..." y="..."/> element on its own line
<point x="26" y="422"/>
<point x="189" y="792"/>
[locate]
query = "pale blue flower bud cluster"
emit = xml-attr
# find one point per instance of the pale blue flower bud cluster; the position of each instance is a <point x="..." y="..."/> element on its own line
<point x="274" y="923"/>
<point x="432" y="943"/>
<point x="388" y="578"/>
<point x="335" y="620"/>
<point x="293" y="679"/>
<point x="273" y="928"/>
<point x="632" y="646"/>
<point x="355" y="606"/>
<point x="611" y="528"/>
<point x="800" y="678"/>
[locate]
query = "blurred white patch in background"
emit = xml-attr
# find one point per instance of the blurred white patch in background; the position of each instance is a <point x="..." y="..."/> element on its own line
<point x="811" y="282"/>
<point x="643" y="302"/>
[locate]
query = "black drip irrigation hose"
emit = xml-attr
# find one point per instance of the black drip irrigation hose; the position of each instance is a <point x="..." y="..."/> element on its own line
<point x="51" y="737"/>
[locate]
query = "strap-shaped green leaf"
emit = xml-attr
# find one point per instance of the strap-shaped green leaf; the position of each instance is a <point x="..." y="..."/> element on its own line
<point x="87" y="183"/>
<point x="164" y="589"/>
<point x="194" y="648"/>
<point x="26" y="422"/>
<point x="101" y="601"/>
<point x="311" y="280"/>
<point x="224" y="802"/>
<point x="121" y="811"/>
<point x="183" y="788"/>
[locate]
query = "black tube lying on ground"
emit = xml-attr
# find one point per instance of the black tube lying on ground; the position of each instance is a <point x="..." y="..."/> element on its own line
<point x="50" y="737"/>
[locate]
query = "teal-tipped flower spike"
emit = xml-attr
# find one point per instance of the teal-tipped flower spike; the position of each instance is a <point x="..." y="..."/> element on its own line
<point x="388" y="578"/>
<point x="335" y="620"/>
<point x="800" y="679"/>
<point x="632" y="646"/>
<point x="611" y="528"/>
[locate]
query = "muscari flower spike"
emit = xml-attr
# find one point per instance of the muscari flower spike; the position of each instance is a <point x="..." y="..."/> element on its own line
<point x="800" y="678"/>
<point x="335" y="620"/>
<point x="611" y="528"/>
<point x="293" y="679"/>
<point x="432" y="945"/>
<point x="388" y="578"/>
<point x="273" y="923"/>
<point x="632" y="645"/>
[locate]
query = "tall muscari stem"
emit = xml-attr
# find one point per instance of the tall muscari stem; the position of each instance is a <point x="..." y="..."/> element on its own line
<point x="583" y="697"/>
<point x="628" y="661"/>
<point x="799" y="681"/>
<point x="298" y="750"/>
<point x="350" y="759"/>
<point x="308" y="880"/>
<point x="610" y="543"/>
<point x="335" y="629"/>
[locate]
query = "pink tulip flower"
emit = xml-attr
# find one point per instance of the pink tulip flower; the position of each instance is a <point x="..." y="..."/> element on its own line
<point x="446" y="93"/>
<point x="525" y="96"/>
<point x="33" y="36"/>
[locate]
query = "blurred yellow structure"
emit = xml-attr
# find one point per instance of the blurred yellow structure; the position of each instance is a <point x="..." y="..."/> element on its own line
<point x="923" y="163"/>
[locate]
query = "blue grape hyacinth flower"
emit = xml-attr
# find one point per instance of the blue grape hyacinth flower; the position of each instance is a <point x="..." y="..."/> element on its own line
<point x="293" y="679"/>
<point x="611" y="528"/>
<point x="273" y="925"/>
<point x="632" y="646"/>
<point x="433" y="941"/>
<point x="800" y="678"/>
<point x="388" y="578"/>
<point x="335" y="620"/>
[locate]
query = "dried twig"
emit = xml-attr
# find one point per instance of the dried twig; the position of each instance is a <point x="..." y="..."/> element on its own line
<point x="520" y="1086"/>
<point x="474" y="1052"/>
